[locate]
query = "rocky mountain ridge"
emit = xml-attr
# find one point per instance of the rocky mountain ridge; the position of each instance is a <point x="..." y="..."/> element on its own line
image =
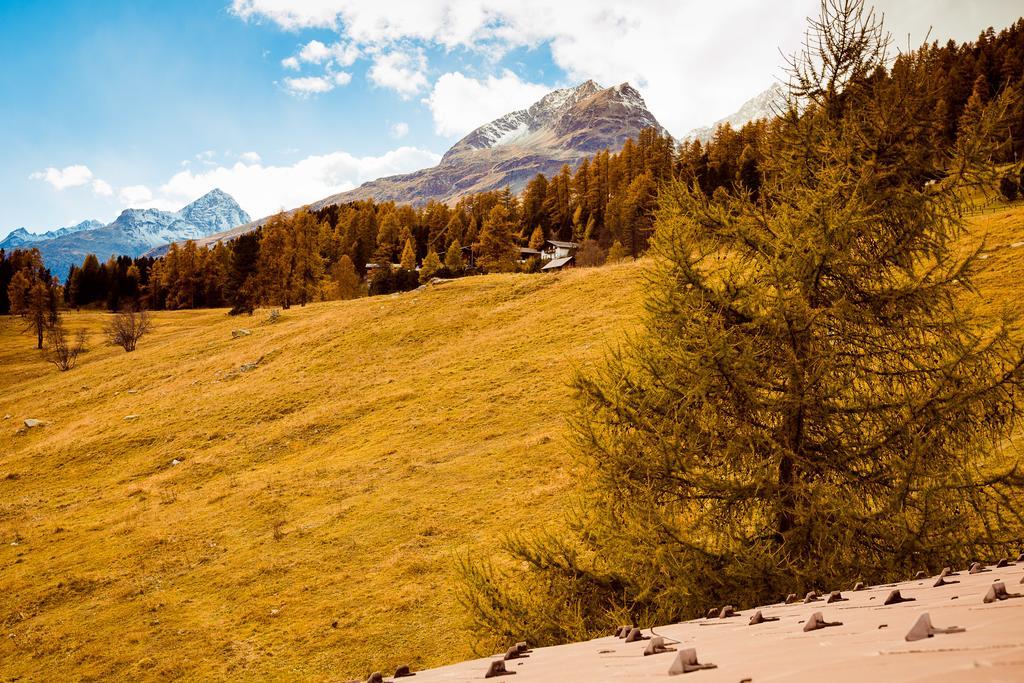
<point x="565" y="126"/>
<point x="763" y="105"/>
<point x="133" y="232"/>
<point x="21" y="237"/>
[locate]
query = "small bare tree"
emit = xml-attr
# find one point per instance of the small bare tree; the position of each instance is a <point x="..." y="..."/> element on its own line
<point x="128" y="327"/>
<point x="590" y="254"/>
<point x="61" y="348"/>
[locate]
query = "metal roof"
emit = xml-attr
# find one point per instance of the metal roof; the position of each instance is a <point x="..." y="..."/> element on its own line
<point x="564" y="245"/>
<point x="863" y="635"/>
<point x="554" y="264"/>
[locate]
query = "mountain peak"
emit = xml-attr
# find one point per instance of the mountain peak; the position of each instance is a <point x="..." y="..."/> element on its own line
<point x="763" y="105"/>
<point x="21" y="237"/>
<point x="214" y="211"/>
<point x="584" y="118"/>
<point x="134" y="231"/>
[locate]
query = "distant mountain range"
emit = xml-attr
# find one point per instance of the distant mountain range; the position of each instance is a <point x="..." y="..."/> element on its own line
<point x="763" y="106"/>
<point x="565" y="126"/>
<point x="21" y="237"/>
<point x="133" y="233"/>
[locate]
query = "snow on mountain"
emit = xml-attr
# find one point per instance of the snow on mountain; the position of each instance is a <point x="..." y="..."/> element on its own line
<point x="136" y="231"/>
<point x="516" y="126"/>
<point x="565" y="126"/>
<point x="21" y="237"/>
<point x="214" y="211"/>
<point x="762" y="106"/>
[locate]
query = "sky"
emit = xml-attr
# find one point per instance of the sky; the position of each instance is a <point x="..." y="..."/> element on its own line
<point x="108" y="105"/>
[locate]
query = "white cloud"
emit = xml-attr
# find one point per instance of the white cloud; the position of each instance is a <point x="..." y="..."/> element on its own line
<point x="693" y="62"/>
<point x="403" y="72"/>
<point x="101" y="188"/>
<point x="290" y="63"/>
<point x="399" y="130"/>
<point x="77" y="175"/>
<point x="315" y="85"/>
<point x="315" y="52"/>
<point x="459" y="103"/>
<point x="250" y="157"/>
<point x="262" y="190"/>
<point x="135" y="195"/>
<point x="63" y="178"/>
<point x="206" y="157"/>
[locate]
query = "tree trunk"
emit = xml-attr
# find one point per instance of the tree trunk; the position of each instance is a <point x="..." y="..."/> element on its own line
<point x="792" y="437"/>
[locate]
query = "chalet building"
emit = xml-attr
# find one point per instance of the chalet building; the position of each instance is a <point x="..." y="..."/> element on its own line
<point x="558" y="255"/>
<point x="525" y="254"/>
<point x="555" y="250"/>
<point x="558" y="264"/>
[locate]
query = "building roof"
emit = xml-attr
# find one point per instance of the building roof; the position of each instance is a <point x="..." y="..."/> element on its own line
<point x="858" y="638"/>
<point x="527" y="250"/>
<point x="564" y="245"/>
<point x="556" y="263"/>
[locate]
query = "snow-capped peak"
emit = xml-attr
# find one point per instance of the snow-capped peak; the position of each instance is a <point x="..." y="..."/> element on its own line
<point x="761" y="106"/>
<point x="549" y="119"/>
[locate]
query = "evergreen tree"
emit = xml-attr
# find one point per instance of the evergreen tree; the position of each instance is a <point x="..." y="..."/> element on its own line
<point x="182" y="289"/>
<point x="308" y="266"/>
<point x="456" y="229"/>
<point x="617" y="253"/>
<point x="431" y="264"/>
<point x="812" y="400"/>
<point x="408" y="261"/>
<point x="537" y="240"/>
<point x="496" y="251"/>
<point x="387" y="238"/>
<point x="453" y="258"/>
<point x="534" y="197"/>
<point x="277" y="262"/>
<point x="91" y="286"/>
<point x="243" y="274"/>
<point x="346" y="279"/>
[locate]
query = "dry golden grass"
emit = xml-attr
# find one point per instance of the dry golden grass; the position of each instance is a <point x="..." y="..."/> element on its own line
<point x="335" y="483"/>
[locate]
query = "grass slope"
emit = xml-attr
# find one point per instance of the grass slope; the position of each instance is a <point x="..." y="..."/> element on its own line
<point x="335" y="483"/>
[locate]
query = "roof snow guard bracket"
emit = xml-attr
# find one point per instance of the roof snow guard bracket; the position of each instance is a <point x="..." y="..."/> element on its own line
<point x="895" y="598"/>
<point x="497" y="668"/>
<point x="686" y="662"/>
<point x="657" y="646"/>
<point x="759" y="618"/>
<point x="923" y="628"/>
<point x="817" y="621"/>
<point x="636" y="635"/>
<point x="997" y="591"/>
<point x="941" y="581"/>
<point x="835" y="596"/>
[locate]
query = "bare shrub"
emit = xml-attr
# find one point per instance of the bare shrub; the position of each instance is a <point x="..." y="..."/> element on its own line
<point x="61" y="348"/>
<point x="590" y="254"/>
<point x="128" y="327"/>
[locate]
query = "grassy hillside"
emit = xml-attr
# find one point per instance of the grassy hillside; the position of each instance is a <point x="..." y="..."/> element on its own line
<point x="333" y="484"/>
<point x="310" y="528"/>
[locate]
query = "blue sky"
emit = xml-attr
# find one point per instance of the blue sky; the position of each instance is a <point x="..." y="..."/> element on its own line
<point x="105" y="105"/>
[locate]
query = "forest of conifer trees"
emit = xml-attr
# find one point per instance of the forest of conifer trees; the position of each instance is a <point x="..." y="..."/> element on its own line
<point x="607" y="204"/>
